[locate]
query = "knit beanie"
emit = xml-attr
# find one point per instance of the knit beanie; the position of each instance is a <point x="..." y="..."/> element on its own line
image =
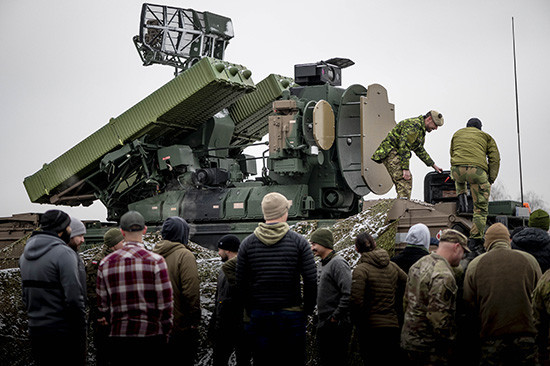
<point x="539" y="219"/>
<point x="77" y="227"/>
<point x="274" y="205"/>
<point x="474" y="122"/>
<point x="55" y="221"/>
<point x="230" y="243"/>
<point x="112" y="237"/>
<point x="496" y="232"/>
<point x="419" y="235"/>
<point x="323" y="237"/>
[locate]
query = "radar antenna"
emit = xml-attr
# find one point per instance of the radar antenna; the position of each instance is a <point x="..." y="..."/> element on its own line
<point x="180" y="37"/>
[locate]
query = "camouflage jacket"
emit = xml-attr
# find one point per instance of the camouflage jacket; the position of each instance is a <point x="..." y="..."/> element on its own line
<point x="91" y="278"/>
<point x="429" y="305"/>
<point x="408" y="135"/>
<point x="541" y="314"/>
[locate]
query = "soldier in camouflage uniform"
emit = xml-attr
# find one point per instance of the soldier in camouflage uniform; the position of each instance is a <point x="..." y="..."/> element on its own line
<point x="541" y="315"/>
<point x="395" y="150"/>
<point x="429" y="328"/>
<point x="113" y="240"/>
<point x="475" y="161"/>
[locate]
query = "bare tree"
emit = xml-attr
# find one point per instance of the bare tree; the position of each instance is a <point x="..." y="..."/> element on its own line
<point x="498" y="192"/>
<point x="535" y="201"/>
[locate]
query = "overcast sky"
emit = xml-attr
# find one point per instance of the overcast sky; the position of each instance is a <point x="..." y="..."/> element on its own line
<point x="69" y="66"/>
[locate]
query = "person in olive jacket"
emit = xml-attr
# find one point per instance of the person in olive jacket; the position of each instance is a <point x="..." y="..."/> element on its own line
<point x="376" y="292"/>
<point x="475" y="160"/>
<point x="184" y="276"/>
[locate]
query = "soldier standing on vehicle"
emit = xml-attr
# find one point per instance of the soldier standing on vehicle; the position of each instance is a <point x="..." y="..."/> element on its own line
<point x="395" y="150"/>
<point x="474" y="160"/>
<point x="429" y="328"/>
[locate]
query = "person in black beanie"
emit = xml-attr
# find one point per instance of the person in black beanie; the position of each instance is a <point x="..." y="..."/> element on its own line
<point x="226" y="326"/>
<point x="53" y="293"/>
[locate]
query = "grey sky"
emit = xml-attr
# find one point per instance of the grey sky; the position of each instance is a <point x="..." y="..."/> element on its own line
<point x="69" y="66"/>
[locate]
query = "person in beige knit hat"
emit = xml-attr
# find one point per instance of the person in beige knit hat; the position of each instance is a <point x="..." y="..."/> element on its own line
<point x="270" y="263"/>
<point x="275" y="206"/>
<point x="497" y="290"/>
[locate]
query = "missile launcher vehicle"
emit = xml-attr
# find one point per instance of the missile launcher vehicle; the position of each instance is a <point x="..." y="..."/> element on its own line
<point x="180" y="151"/>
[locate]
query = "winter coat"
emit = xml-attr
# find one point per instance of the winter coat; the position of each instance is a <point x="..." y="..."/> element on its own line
<point x="333" y="292"/>
<point x="409" y="256"/>
<point x="377" y="290"/>
<point x="536" y="242"/>
<point x="498" y="287"/>
<point x="53" y="293"/>
<point x="184" y="276"/>
<point x="471" y="146"/>
<point x="228" y="312"/>
<point x="269" y="266"/>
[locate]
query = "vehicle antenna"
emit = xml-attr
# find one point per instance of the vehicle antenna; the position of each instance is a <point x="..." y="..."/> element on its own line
<point x="517" y="111"/>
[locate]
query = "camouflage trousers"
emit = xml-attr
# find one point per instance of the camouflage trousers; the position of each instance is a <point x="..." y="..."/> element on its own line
<point x="480" y="189"/>
<point x="509" y="351"/>
<point x="393" y="166"/>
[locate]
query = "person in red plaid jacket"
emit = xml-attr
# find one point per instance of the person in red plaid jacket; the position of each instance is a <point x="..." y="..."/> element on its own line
<point x="135" y="298"/>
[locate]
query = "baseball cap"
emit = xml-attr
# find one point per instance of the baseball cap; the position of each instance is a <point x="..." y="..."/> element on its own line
<point x="453" y="236"/>
<point x="132" y="221"/>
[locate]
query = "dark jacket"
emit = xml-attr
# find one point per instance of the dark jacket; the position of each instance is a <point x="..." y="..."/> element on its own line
<point x="536" y="242"/>
<point x="52" y="290"/>
<point x="227" y="312"/>
<point x="377" y="290"/>
<point x="269" y="270"/>
<point x="334" y="289"/>
<point x="409" y="256"/>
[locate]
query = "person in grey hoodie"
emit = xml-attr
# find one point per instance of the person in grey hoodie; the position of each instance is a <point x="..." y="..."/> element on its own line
<point x="418" y="245"/>
<point x="184" y="276"/>
<point x="333" y="292"/>
<point x="53" y="293"/>
<point x="270" y="263"/>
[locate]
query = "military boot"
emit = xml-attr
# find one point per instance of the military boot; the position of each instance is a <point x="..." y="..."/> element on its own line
<point x="462" y="204"/>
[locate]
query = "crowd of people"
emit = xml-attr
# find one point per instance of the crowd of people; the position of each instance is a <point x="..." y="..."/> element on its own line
<point x="478" y="300"/>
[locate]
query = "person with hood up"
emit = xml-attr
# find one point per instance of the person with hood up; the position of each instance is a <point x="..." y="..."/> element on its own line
<point x="53" y="293"/>
<point x="269" y="266"/>
<point x="534" y="239"/>
<point x="418" y="246"/>
<point x="376" y="295"/>
<point x="184" y="276"/>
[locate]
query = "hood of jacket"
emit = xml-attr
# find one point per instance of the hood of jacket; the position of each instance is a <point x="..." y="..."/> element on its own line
<point x="378" y="258"/>
<point x="175" y="229"/>
<point x="40" y="243"/>
<point x="531" y="238"/>
<point x="419" y="235"/>
<point x="270" y="234"/>
<point x="167" y="247"/>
